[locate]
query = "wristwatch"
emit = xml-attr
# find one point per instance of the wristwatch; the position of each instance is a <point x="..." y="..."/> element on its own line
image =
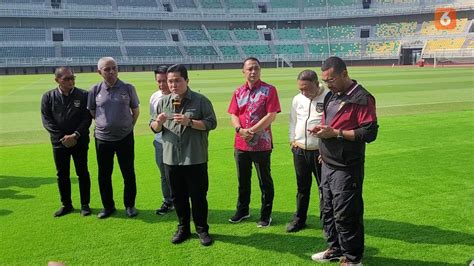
<point x="340" y="136"/>
<point x="237" y="129"/>
<point x="190" y="123"/>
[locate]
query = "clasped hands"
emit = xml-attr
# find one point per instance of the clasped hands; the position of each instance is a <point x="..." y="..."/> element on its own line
<point x="69" y="140"/>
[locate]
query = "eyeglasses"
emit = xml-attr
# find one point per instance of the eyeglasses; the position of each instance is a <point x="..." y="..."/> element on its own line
<point x="69" y="78"/>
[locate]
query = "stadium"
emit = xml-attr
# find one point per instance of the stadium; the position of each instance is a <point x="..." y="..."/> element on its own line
<point x="418" y="188"/>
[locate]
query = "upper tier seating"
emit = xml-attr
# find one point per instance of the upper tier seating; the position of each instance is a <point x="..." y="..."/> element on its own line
<point x="26" y="52"/>
<point x="22" y="34"/>
<point x="93" y="35"/>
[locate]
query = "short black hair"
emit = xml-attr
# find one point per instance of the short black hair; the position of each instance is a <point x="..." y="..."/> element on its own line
<point x="59" y="71"/>
<point x="308" y="75"/>
<point x="334" y="62"/>
<point x="178" y="68"/>
<point x="250" y="59"/>
<point x="161" y="70"/>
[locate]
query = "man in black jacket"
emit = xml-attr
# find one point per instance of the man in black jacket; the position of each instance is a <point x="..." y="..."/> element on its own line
<point x="65" y="116"/>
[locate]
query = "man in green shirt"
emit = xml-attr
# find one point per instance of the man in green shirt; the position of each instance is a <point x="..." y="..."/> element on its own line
<point x="185" y="119"/>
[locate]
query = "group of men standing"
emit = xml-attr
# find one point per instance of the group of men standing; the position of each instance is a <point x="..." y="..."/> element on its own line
<point x="329" y="126"/>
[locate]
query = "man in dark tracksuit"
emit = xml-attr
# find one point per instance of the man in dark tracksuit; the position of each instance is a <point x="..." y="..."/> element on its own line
<point x="349" y="121"/>
<point x="66" y="118"/>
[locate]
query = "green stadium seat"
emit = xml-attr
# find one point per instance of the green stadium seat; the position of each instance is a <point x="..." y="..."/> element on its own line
<point x="211" y="3"/>
<point x="288" y="34"/>
<point x="26" y="52"/>
<point x="22" y="34"/>
<point x="319" y="49"/>
<point x="220" y="35"/>
<point x="93" y="35"/>
<point x="91" y="51"/>
<point x="255" y="50"/>
<point x="153" y="51"/>
<point x="345" y="49"/>
<point x="228" y="50"/>
<point x="200" y="50"/>
<point x="316" y="33"/>
<point x="342" y="32"/>
<point x="290" y="49"/>
<point x="195" y="35"/>
<point x="246" y="35"/>
<point x="143" y="35"/>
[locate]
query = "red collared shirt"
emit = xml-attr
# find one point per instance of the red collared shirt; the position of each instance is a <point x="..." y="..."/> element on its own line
<point x="250" y="106"/>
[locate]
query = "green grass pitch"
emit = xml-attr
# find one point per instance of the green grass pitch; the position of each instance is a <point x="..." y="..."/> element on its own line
<point x="418" y="191"/>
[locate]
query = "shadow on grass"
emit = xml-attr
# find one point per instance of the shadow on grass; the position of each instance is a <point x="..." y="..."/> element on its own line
<point x="24" y="181"/>
<point x="147" y="216"/>
<point x="13" y="194"/>
<point x="4" y="212"/>
<point x="416" y="234"/>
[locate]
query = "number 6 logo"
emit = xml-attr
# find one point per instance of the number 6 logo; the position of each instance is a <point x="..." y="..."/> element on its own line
<point x="445" y="18"/>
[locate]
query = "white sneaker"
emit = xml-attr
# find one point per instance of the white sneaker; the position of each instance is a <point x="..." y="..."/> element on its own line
<point x="327" y="255"/>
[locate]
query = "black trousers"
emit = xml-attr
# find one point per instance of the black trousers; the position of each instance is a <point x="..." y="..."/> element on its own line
<point x="62" y="160"/>
<point x="306" y="165"/>
<point x="125" y="151"/>
<point x="343" y="210"/>
<point x="261" y="160"/>
<point x="189" y="181"/>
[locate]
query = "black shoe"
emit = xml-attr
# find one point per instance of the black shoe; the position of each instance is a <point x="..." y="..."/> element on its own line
<point x="180" y="236"/>
<point x="239" y="217"/>
<point x="205" y="239"/>
<point x="165" y="208"/>
<point x="264" y="223"/>
<point x="63" y="211"/>
<point x="131" y="211"/>
<point x="294" y="226"/>
<point x="85" y="210"/>
<point x="104" y="213"/>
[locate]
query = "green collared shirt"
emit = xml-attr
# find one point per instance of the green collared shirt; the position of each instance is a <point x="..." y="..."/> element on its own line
<point x="184" y="145"/>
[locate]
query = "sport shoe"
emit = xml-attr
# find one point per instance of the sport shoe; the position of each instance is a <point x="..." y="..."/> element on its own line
<point x="294" y="226"/>
<point x="264" y="223"/>
<point x="345" y="262"/>
<point x="165" y="208"/>
<point x="327" y="255"/>
<point x="239" y="217"/>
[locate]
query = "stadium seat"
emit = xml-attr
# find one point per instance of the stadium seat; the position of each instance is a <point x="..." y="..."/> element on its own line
<point x="316" y="33"/>
<point x="395" y="29"/>
<point x="210" y="3"/>
<point x="200" y="50"/>
<point x="22" y="34"/>
<point x="288" y="34"/>
<point x="153" y="51"/>
<point x="444" y="45"/>
<point x="220" y="35"/>
<point x="195" y="35"/>
<point x="429" y="28"/>
<point x="93" y="35"/>
<point x="246" y="35"/>
<point x="314" y="3"/>
<point x="345" y="49"/>
<point x="319" y="49"/>
<point x="143" y="35"/>
<point x="342" y="32"/>
<point x="383" y="48"/>
<point x="26" y="52"/>
<point x="239" y="4"/>
<point x="91" y="51"/>
<point x="137" y="3"/>
<point x="283" y="4"/>
<point x="185" y="3"/>
<point x="290" y="49"/>
<point x="255" y="50"/>
<point x="229" y="50"/>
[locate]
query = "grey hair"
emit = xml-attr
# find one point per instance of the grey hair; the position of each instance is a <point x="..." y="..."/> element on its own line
<point x="104" y="60"/>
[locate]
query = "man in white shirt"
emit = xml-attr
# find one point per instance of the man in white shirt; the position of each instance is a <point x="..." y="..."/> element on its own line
<point x="161" y="81"/>
<point x="306" y="112"/>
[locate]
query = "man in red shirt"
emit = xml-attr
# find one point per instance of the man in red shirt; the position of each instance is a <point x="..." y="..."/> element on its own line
<point x="349" y="122"/>
<point x="253" y="108"/>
